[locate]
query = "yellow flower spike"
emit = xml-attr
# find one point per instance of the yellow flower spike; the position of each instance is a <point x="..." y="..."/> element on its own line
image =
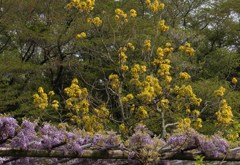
<point x="123" y="128"/>
<point x="162" y="26"/>
<point x="35" y="96"/>
<point x="55" y="104"/>
<point x="81" y="35"/>
<point x="234" y="80"/>
<point x="97" y="21"/>
<point x="147" y="46"/>
<point x="51" y="93"/>
<point x="161" y="6"/>
<point x="224" y="114"/>
<point x="184" y="75"/>
<point x="181" y="48"/>
<point x="154" y="6"/>
<point x="198" y="123"/>
<point x="89" y="20"/>
<point x="132" y="109"/>
<point x="130" y="96"/>
<point x="187" y="121"/>
<point x="165" y="103"/>
<point x="116" y="17"/>
<point x="168" y="79"/>
<point x="40" y="90"/>
<point x="196" y="112"/>
<point x="142" y="113"/>
<point x="168" y="44"/>
<point x="188" y="111"/>
<point x="114" y="81"/>
<point x="188" y="45"/>
<point x="133" y="13"/>
<point x="124" y="67"/>
<point x="130" y="45"/>
<point x="187" y="49"/>
<point x="82" y="6"/>
<point x="220" y="92"/>
<point x="75" y="81"/>
<point x="183" y="123"/>
<point x="120" y="16"/>
<point x="118" y="11"/>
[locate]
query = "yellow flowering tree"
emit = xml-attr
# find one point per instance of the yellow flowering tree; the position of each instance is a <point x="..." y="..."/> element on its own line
<point x="140" y="81"/>
<point x="78" y="108"/>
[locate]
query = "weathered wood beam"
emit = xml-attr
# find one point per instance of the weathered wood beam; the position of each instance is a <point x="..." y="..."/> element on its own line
<point x="109" y="154"/>
<point x="191" y="155"/>
<point x="93" y="154"/>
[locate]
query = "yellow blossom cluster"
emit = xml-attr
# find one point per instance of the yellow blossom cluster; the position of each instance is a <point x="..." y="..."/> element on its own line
<point x="120" y="16"/>
<point x="234" y="80"/>
<point x="128" y="98"/>
<point x="75" y="118"/>
<point x="224" y="114"/>
<point x="195" y="113"/>
<point x="233" y="136"/>
<point x="40" y="99"/>
<point x="131" y="46"/>
<point x="154" y="6"/>
<point x="220" y="92"/>
<point x="184" y="123"/>
<point x="168" y="48"/>
<point x="77" y="100"/>
<point x="102" y="112"/>
<point x="164" y="70"/>
<point x="162" y="26"/>
<point x="81" y="35"/>
<point x="133" y="13"/>
<point x="82" y="5"/>
<point x="187" y="49"/>
<point x="186" y="91"/>
<point x="55" y="104"/>
<point x="159" y="56"/>
<point x="132" y="108"/>
<point x="147" y="46"/>
<point x="150" y="88"/>
<point x="123" y="128"/>
<point x="123" y="58"/>
<point x="184" y="76"/>
<point x="78" y="103"/>
<point x="91" y="123"/>
<point x="162" y="62"/>
<point x="114" y="81"/>
<point x="141" y="113"/>
<point x="164" y="104"/>
<point x="51" y="93"/>
<point x="96" y="21"/>
<point x="197" y="123"/>
<point x="136" y="70"/>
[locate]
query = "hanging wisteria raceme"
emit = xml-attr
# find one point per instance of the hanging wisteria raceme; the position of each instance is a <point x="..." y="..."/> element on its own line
<point x="28" y="142"/>
<point x="8" y="127"/>
<point x="212" y="146"/>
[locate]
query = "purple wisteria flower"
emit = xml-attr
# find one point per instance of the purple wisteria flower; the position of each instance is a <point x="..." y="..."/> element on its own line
<point x="8" y="126"/>
<point x="26" y="137"/>
<point x="51" y="136"/>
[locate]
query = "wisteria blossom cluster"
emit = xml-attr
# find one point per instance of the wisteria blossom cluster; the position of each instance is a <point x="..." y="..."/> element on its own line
<point x="142" y="146"/>
<point x="211" y="146"/>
